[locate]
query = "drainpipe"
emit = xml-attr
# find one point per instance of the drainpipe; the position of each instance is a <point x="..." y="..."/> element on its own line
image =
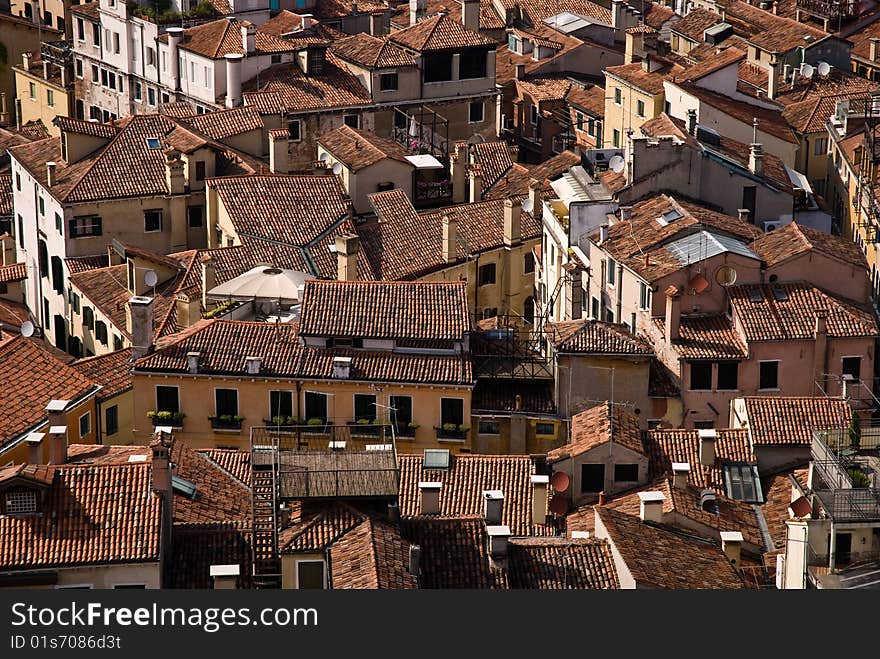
<point x="619" y="293"/>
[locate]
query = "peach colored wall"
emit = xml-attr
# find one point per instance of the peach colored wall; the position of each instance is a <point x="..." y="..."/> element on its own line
<point x="826" y="273"/>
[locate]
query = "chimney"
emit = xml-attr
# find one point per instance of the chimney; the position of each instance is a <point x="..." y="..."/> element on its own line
<point x="4" y="110"/>
<point x="56" y="411"/>
<point x="50" y="174"/>
<point x="26" y="60"/>
<point x="233" y="79"/>
<point x="341" y="368"/>
<point x="731" y="545"/>
<point x="626" y="213"/>
<point x="393" y="512"/>
<point x="520" y="71"/>
<point x="175" y="35"/>
<point x="775" y="7"/>
<point x="646" y="63"/>
<point x="651" y="506"/>
<point x="45" y="70"/>
<point x="786" y="73"/>
<point x="603" y="233"/>
<point x="279" y="161"/>
<point x="820" y="350"/>
<point x="377" y="24"/>
<point x="498" y="537"/>
<point x="493" y="504"/>
<point x="602" y="498"/>
<point x="416" y="11"/>
<point x="347" y="247"/>
<point x="192" y="362"/>
<point x="756" y="159"/>
<point x="673" y="313"/>
<point x="692" y="121"/>
<point x="188" y="311"/>
<point x="248" y="37"/>
<point x="175" y="179"/>
<point x="512" y="222"/>
<point x="458" y="166"/>
<point x="415" y="557"/>
<point x="429" y="499"/>
<point x="35" y="447"/>
<point x="476" y="178"/>
<point x="141" y="314"/>
<point x="539" y="498"/>
<point x="708" y="437"/>
<point x="160" y="475"/>
<point x="772" y="81"/>
<point x="225" y="577"/>
<point x="308" y="20"/>
<point x="874" y="49"/>
<point x="536" y="196"/>
<point x="253" y="365"/>
<point x="680" y="471"/>
<point x="743" y="214"/>
<point x="209" y="278"/>
<point x="618" y="14"/>
<point x="450" y="248"/>
<point x="470" y="14"/>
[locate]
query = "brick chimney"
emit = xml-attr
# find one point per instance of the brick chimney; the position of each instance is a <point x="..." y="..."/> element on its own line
<point x="476" y="180"/>
<point x="680" y="471"/>
<point x="209" y="278"/>
<point x="708" y="437"/>
<point x="450" y="248"/>
<point x="651" y="506"/>
<point x="537" y="198"/>
<point x="512" y="222"/>
<point x="248" y="36"/>
<point x="458" y="165"/>
<point x="279" y="161"/>
<point x="470" y="14"/>
<point x="731" y="545"/>
<point x="50" y="174"/>
<point x="225" y="577"/>
<point x="140" y="314"/>
<point x="673" y="313"/>
<point x="429" y="498"/>
<point x="493" y="505"/>
<point x="35" y="446"/>
<point x="539" y="498"/>
<point x="175" y="179"/>
<point x="347" y="247"/>
<point x="57" y="413"/>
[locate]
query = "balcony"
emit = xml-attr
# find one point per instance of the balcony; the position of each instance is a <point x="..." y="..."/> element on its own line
<point x="842" y="9"/>
<point x="226" y="422"/>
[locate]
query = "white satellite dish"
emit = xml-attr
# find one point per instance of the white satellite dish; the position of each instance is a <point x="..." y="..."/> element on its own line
<point x="337" y="168"/>
<point x="616" y="164"/>
<point x="324" y="157"/>
<point x="527" y="205"/>
<point x="151" y="278"/>
<point x="808" y="70"/>
<point x="725" y="276"/>
<point x="27" y="329"/>
<point x="824" y="69"/>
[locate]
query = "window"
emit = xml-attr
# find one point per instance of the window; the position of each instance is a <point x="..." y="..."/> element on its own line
<point x="316" y="406"/>
<point x="111" y="80"/>
<point x="472" y="64"/>
<point x="50" y="98"/>
<point x="152" y="220"/>
<point x="476" y="112"/>
<point x="352" y="120"/>
<point x="57" y="275"/>
<point x="96" y="34"/>
<point x="820" y="146"/>
<point x="644" y="296"/>
<point x="85" y="425"/>
<point x="728" y="376"/>
<point x="117" y="342"/>
<point x="42" y="204"/>
<point x="451" y="411"/>
<point x="280" y="404"/>
<point x="438" y="67"/>
<point x="80" y="30"/>
<point x="533" y="115"/>
<point x="195" y="216"/>
<point x="316" y="59"/>
<point x="579" y="120"/>
<point x="167" y="399"/>
<point x="310" y="575"/>
<point x="591" y="127"/>
<point x="626" y="473"/>
<point x="293" y="131"/>
<point x="609" y="315"/>
<point x="151" y="96"/>
<point x="88" y="317"/>
<point x="852" y="366"/>
<point x="769" y="375"/>
<point x="86" y="225"/>
<point x="101" y="331"/>
<point x="200" y="170"/>
<point x="488" y="427"/>
<point x="610" y="271"/>
<point x="79" y="68"/>
<point x="365" y="407"/>
<point x="276" y="59"/>
<point x="640" y="108"/>
<point x="43" y="258"/>
<point x="207" y="77"/>
<point x="401" y="410"/>
<point x="388" y="82"/>
<point x="74" y="301"/>
<point x="20" y="231"/>
<point x="742" y="483"/>
<point x="701" y="376"/>
<point x="705" y="424"/>
<point x="592" y="478"/>
<point x="226" y="402"/>
<point x="21" y="501"/>
<point x="33" y="91"/>
<point x="617" y="95"/>
<point x="18" y="181"/>
<point x="151" y="56"/>
<point x="111" y="420"/>
<point x="486" y="274"/>
<point x="95" y="73"/>
<point x="138" y="91"/>
<point x="59" y="224"/>
<point x="116" y="42"/>
<point x="545" y="429"/>
<point x="192" y="72"/>
<point x="104" y="79"/>
<point x="615" y="138"/>
<point x="528" y="263"/>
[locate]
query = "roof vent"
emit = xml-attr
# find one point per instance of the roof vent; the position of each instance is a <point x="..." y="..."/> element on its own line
<point x="430" y="497"/>
<point x="341" y="368"/>
<point x="498" y="538"/>
<point x="709" y="502"/>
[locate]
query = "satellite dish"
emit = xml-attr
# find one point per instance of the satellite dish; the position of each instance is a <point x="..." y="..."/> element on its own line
<point x="337" y="168"/>
<point x="725" y="276"/>
<point x="324" y="157"/>
<point x="824" y="69"/>
<point x="527" y="205"/>
<point x="151" y="278"/>
<point x="560" y="481"/>
<point x="27" y="329"/>
<point x="808" y="70"/>
<point x="616" y="164"/>
<point x="559" y="504"/>
<point x="476" y="138"/>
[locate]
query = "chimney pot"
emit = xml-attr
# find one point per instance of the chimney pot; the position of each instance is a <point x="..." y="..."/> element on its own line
<point x="537" y="199"/>
<point x="341" y="368"/>
<point x="307" y="21"/>
<point x="731" y="545"/>
<point x="50" y="174"/>
<point x="493" y="504"/>
<point x="225" y="576"/>
<point x="450" y="247"/>
<point x="540" y="484"/>
<point x="651" y="506"/>
<point x="347" y="247"/>
<point x="512" y="222"/>
<point x="743" y="214"/>
<point x="680" y="471"/>
<point x="470" y="14"/>
<point x="415" y="556"/>
<point x="520" y="71"/>
<point x="35" y="447"/>
<point x="602" y="498"/>
<point x="708" y="437"/>
<point x="141" y="314"/>
<point x="692" y="121"/>
<point x="233" y="79"/>
<point x="498" y="536"/>
<point x="57" y="413"/>
<point x="429" y="498"/>
<point x="673" y="313"/>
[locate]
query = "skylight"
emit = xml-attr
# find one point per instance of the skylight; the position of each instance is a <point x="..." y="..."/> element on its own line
<point x="741" y="483"/>
<point x="436" y="459"/>
<point x="183" y="486"/>
<point x="671" y="216"/>
<point x="779" y="293"/>
<point x="755" y="295"/>
<point x="153" y="142"/>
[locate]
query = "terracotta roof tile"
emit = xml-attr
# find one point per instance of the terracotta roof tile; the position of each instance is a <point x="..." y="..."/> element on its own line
<point x="795" y="239"/>
<point x="706" y="337"/>
<point x="722" y="59"/>
<point x="495" y="159"/>
<point x="178" y="109"/>
<point x="324" y="9"/>
<point x="222" y="37"/>
<point x="439" y="33"/>
<point x="88" y="10"/>
<point x="649" y="82"/>
<point x="358" y="149"/>
<point x="13" y="272"/>
<point x="593" y="336"/>
<point x="544" y="88"/>
<point x="372" y="52"/>
<point x="535" y="11"/>
<point x="112" y="371"/>
<point x="317" y="532"/>
<point x="232" y="461"/>
<point x="778" y="490"/>
<point x="219" y="497"/>
<point x="389" y="366"/>
<point x="697" y="21"/>
<point x="783" y="420"/>
<point x="196" y="547"/>
<point x="221" y="124"/>
<point x="34" y="129"/>
<point x="587" y="97"/>
<point x="371" y="556"/>
<point x="593" y="427"/>
<point x="560" y="564"/>
<point x="90" y="128"/>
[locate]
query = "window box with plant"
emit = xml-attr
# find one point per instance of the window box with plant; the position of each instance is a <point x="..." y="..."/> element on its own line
<point x="406" y="429"/>
<point x="452" y="431"/>
<point x="282" y="421"/>
<point x="365" y="427"/>
<point x="225" y="422"/>
<point x="166" y="418"/>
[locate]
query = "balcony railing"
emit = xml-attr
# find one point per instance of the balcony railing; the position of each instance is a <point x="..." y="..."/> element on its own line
<point x="447" y="432"/>
<point x="852" y="504"/>
<point x="834" y="9"/>
<point x="226" y="422"/>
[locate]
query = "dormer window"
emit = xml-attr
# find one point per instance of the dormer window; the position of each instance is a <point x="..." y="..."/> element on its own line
<point x="153" y="143"/>
<point x="514" y="43"/>
<point x="21" y="502"/>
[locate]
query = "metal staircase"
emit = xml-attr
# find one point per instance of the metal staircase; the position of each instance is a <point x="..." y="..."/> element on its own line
<point x="267" y="563"/>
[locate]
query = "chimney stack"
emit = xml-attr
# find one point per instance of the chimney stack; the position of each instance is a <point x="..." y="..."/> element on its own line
<point x="233" y="79"/>
<point x="786" y="74"/>
<point x="416" y="11"/>
<point x="539" y="498"/>
<point x="618" y="15"/>
<point x="225" y="577"/>
<point x="821" y="347"/>
<point x="731" y="545"/>
<point x="603" y="233"/>
<point x="188" y="311"/>
<point x="141" y="314"/>
<point x="175" y="179"/>
<point x="50" y="174"/>
<point x="248" y="37"/>
<point x="347" y="247"/>
<point x="175" y="36"/>
<point x="450" y="249"/>
<point x="626" y="213"/>
<point x="35" y="447"/>
<point x="651" y="506"/>
<point x="57" y="413"/>
<point x="429" y="498"/>
<point x="692" y="122"/>
<point x="520" y="71"/>
<point x="278" y="157"/>
<point x="476" y="177"/>
<point x="209" y="278"/>
<point x="470" y="14"/>
<point x="680" y="471"/>
<point x="708" y="437"/>
<point x="4" y="110"/>
<point x="192" y="362"/>
<point x="772" y="81"/>
<point x="458" y="170"/>
<point x="537" y="199"/>
<point x="512" y="222"/>
<point x="493" y="505"/>
<point x="160" y="475"/>
<point x="756" y="159"/>
<point x="673" y="313"/>
<point x="743" y="214"/>
<point x="26" y="60"/>
<point x="307" y="20"/>
<point x="377" y="24"/>
<point x="498" y="536"/>
<point x="415" y="557"/>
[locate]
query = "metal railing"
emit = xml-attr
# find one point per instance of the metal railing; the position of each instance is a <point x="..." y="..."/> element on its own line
<point x="851" y="505"/>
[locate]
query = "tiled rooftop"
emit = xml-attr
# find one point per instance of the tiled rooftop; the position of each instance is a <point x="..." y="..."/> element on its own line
<point x="371" y="556"/>
<point x="599" y="425"/>
<point x="706" y="337"/>
<point x="439" y="33"/>
<point x="795" y="239"/>
<point x="112" y="371"/>
<point x="372" y="52"/>
<point x="358" y="149"/>
<point x="595" y="336"/>
<point x="790" y="421"/>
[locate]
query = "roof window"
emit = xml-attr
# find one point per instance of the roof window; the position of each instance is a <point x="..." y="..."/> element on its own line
<point x="153" y="142"/>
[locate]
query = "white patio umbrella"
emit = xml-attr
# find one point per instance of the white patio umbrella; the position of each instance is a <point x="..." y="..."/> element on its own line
<point x="264" y="282"/>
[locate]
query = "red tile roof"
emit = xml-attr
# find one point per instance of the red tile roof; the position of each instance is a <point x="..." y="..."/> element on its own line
<point x="594" y="336"/>
<point x="13" y="272"/>
<point x="371" y="556"/>
<point x="221" y="124"/>
<point x="222" y="37"/>
<point x="722" y="59"/>
<point x="706" y="337"/>
<point x="372" y="52"/>
<point x="650" y="82"/>
<point x="439" y="33"/>
<point x="112" y="371"/>
<point x="359" y="149"/>
<point x="795" y="239"/>
<point x="599" y="425"/>
<point x="778" y="491"/>
<point x="196" y="547"/>
<point x="783" y="420"/>
<point x="232" y="461"/>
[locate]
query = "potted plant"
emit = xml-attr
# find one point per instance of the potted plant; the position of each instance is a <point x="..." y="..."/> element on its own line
<point x="238" y="419"/>
<point x="151" y="414"/>
<point x="412" y="425"/>
<point x="450" y="428"/>
<point x="855" y="431"/>
<point x="362" y="422"/>
<point x="463" y="429"/>
<point x="278" y="420"/>
<point x="315" y="421"/>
